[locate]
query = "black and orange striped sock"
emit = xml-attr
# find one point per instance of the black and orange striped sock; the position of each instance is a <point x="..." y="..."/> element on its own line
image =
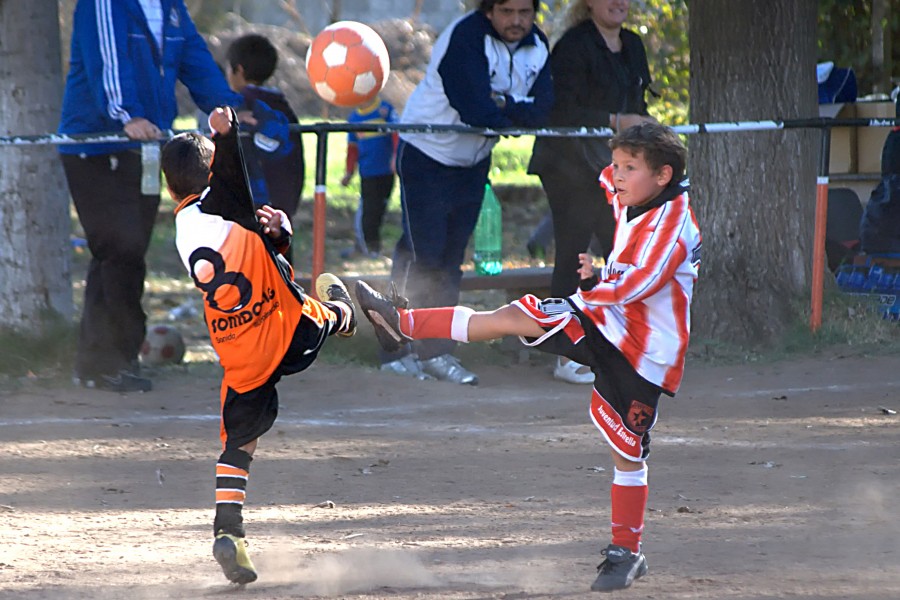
<point x="232" y="473"/>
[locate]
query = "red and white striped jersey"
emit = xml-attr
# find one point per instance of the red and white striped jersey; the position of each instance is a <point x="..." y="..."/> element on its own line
<point x="642" y="305"/>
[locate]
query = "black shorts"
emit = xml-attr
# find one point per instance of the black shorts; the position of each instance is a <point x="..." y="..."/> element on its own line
<point x="623" y="404"/>
<point x="248" y="415"/>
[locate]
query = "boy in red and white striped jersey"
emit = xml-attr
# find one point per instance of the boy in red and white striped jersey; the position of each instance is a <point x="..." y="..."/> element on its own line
<point x="629" y="321"/>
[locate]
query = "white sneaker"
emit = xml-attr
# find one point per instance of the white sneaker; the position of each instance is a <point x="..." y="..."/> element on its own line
<point x="446" y="367"/>
<point x="572" y="372"/>
<point x="408" y="366"/>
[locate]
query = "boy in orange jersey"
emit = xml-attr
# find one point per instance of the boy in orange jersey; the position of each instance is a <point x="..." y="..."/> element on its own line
<point x="262" y="325"/>
<point x="630" y="323"/>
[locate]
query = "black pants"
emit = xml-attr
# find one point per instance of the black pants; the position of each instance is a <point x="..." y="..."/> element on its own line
<point x="440" y="208"/>
<point x="579" y="209"/>
<point x="117" y="221"/>
<point x="374" y="194"/>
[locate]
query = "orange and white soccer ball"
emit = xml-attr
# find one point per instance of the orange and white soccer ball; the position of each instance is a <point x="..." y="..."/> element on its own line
<point x="162" y="345"/>
<point x="347" y="63"/>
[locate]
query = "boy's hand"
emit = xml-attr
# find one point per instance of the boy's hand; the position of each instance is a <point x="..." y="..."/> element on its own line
<point x="586" y="265"/>
<point x="345" y="180"/>
<point x="272" y="220"/>
<point x="589" y="277"/>
<point x="220" y="121"/>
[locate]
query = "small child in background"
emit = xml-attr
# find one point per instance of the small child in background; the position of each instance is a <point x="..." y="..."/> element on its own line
<point x="275" y="170"/>
<point x="375" y="153"/>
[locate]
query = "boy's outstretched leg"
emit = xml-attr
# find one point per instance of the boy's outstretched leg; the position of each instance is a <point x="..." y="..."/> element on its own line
<point x="329" y="288"/>
<point x="395" y="326"/>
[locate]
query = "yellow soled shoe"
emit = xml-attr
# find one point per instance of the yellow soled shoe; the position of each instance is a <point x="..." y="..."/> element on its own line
<point x="331" y="289"/>
<point x="231" y="553"/>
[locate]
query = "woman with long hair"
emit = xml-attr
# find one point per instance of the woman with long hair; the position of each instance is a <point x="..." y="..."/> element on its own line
<point x="600" y="77"/>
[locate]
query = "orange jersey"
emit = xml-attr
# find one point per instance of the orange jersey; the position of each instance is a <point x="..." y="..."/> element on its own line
<point x="252" y="306"/>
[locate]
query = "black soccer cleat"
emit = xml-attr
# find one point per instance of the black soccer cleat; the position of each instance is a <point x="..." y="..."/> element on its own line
<point x="331" y="289"/>
<point x="122" y="382"/>
<point x="231" y="553"/>
<point x="619" y="570"/>
<point x="382" y="313"/>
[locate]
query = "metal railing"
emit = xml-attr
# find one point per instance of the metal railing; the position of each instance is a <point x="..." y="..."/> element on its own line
<point x="322" y="130"/>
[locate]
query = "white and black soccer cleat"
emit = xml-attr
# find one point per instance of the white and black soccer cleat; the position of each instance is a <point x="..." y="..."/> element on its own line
<point x="330" y="288"/>
<point x="619" y="570"/>
<point x="382" y="313"/>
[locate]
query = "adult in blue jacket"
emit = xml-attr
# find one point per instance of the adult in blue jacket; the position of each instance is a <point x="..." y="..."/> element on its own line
<point x="489" y="68"/>
<point x="125" y="59"/>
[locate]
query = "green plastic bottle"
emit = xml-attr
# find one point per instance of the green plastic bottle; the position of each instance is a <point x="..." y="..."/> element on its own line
<point x="488" y="253"/>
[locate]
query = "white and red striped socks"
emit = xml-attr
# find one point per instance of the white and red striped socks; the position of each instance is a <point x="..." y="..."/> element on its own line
<point x="629" y="502"/>
<point x="451" y="322"/>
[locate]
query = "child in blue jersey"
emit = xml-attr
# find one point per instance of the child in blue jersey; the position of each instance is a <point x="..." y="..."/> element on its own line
<point x="274" y="154"/>
<point x="374" y="152"/>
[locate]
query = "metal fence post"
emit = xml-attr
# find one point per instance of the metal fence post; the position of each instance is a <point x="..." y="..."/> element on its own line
<point x="818" y="267"/>
<point x="318" y="246"/>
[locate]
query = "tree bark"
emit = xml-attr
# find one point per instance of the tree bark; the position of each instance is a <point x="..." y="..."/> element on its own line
<point x="334" y="11"/>
<point x="880" y="13"/>
<point x="35" y="282"/>
<point x="753" y="193"/>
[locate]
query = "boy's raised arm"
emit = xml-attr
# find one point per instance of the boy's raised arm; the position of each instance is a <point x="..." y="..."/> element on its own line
<point x="229" y="192"/>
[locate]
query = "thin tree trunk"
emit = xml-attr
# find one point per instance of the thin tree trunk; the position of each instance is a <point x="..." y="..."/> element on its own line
<point x="34" y="201"/>
<point x="753" y="193"/>
<point x="880" y="12"/>
<point x="334" y="11"/>
<point x="417" y="10"/>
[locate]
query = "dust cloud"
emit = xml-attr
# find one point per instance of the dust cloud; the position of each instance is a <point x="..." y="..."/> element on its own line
<point x="345" y="572"/>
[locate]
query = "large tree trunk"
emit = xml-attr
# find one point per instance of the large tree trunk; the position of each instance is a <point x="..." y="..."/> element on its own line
<point x="753" y="193"/>
<point x="34" y="202"/>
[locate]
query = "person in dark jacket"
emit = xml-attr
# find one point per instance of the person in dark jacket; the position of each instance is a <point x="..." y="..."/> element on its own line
<point x="879" y="230"/>
<point x="275" y="170"/>
<point x="600" y="76"/>
<point x="252" y="60"/>
<point x="125" y="59"/>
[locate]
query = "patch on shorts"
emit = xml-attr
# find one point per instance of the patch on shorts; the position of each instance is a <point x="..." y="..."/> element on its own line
<point x="554" y="306"/>
<point x="640" y="417"/>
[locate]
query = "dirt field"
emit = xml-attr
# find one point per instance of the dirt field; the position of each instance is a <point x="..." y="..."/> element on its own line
<point x="773" y="481"/>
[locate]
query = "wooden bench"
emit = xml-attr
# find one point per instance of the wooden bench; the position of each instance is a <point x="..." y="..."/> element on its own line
<point x="535" y="280"/>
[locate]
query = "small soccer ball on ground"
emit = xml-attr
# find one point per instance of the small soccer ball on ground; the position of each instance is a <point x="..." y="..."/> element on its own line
<point x="163" y="345"/>
<point x="347" y="63"/>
